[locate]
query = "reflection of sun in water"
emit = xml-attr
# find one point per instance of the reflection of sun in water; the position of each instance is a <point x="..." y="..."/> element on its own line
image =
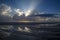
<point x="25" y="21"/>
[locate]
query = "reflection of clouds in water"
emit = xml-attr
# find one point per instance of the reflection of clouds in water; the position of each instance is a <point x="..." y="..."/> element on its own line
<point x="4" y="30"/>
<point x="7" y="34"/>
<point x="20" y="29"/>
<point x="7" y="27"/>
<point x="26" y="29"/>
<point x="4" y="34"/>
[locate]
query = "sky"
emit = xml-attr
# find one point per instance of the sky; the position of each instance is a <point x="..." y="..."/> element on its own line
<point x="40" y="5"/>
<point x="14" y="9"/>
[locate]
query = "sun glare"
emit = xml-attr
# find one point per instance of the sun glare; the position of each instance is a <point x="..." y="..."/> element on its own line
<point x="27" y="13"/>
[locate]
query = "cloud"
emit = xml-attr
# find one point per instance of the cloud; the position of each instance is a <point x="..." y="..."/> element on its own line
<point x="19" y="12"/>
<point x="5" y="9"/>
<point x="27" y="13"/>
<point x="5" y="13"/>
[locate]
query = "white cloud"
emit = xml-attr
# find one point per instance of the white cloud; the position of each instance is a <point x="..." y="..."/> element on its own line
<point x="5" y="9"/>
<point x="28" y="12"/>
<point x="19" y="12"/>
<point x="5" y="13"/>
